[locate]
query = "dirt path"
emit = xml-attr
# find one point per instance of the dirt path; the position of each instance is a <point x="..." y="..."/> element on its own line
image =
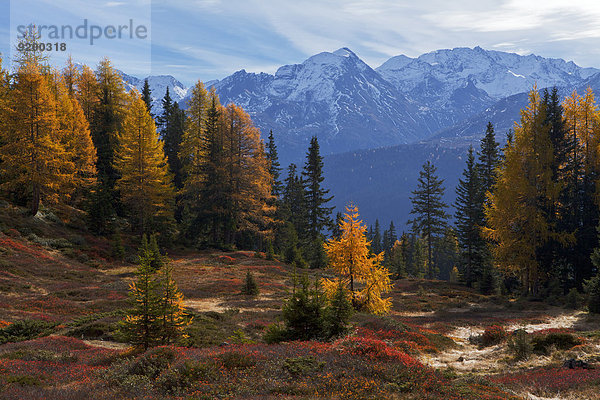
<point x="468" y="357"/>
<point x="220" y="305"/>
<point x="106" y="344"/>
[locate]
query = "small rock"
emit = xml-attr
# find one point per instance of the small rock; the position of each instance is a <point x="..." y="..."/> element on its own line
<point x="461" y="359"/>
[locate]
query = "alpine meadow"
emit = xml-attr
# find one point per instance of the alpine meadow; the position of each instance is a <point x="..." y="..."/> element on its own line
<point x="425" y="229"/>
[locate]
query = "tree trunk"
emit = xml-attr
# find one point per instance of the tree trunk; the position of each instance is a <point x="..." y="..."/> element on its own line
<point x="35" y="200"/>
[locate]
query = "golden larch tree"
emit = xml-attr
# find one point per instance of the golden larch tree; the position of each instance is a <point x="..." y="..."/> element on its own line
<point x="192" y="153"/>
<point x="517" y="213"/>
<point x="145" y="183"/>
<point x="35" y="163"/>
<point x="87" y="91"/>
<point x="75" y="133"/>
<point x="356" y="268"/>
<point x="248" y="173"/>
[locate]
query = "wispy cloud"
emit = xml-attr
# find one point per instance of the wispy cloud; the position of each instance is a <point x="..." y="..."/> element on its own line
<point x="210" y="39"/>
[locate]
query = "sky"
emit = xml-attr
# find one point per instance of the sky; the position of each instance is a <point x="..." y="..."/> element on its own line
<point x="210" y="39"/>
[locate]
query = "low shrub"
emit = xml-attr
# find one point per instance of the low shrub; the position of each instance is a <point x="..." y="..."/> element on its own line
<point x="24" y="380"/>
<point x="25" y="329"/>
<point x="239" y="337"/>
<point x="97" y="330"/>
<point x="152" y="363"/>
<point x="180" y="378"/>
<point x="236" y="360"/>
<point x="275" y="333"/>
<point x="58" y="243"/>
<point x="493" y="335"/>
<point x="543" y="344"/>
<point x="519" y="345"/>
<point x="28" y="354"/>
<point x="302" y="365"/>
<point x="574" y="299"/>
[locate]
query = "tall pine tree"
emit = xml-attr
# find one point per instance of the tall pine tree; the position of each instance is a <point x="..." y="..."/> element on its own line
<point x="430" y="218"/>
<point x="470" y="219"/>
<point x="319" y="215"/>
<point x="274" y="166"/>
<point x="147" y="97"/>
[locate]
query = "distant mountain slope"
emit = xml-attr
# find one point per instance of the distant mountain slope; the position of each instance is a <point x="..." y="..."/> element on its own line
<point x="335" y="96"/>
<point x="350" y="106"/>
<point x="503" y="115"/>
<point x="380" y="181"/>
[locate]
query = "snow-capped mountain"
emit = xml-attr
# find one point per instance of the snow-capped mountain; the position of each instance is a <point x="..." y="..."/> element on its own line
<point x="349" y="106"/>
<point x="503" y="115"/>
<point x="335" y="96"/>
<point x="158" y="87"/>
<point x="451" y="85"/>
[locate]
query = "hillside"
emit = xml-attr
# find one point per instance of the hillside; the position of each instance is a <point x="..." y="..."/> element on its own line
<point x="72" y="292"/>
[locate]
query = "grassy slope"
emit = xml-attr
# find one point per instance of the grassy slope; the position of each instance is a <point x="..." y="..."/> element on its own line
<point x="54" y="271"/>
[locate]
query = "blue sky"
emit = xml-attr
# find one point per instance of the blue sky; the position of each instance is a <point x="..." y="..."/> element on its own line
<point x="210" y="39"/>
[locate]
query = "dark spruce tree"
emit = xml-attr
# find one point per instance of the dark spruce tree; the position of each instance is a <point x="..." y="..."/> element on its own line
<point x="470" y="218"/>
<point x="319" y="215"/>
<point x="489" y="160"/>
<point x="376" y="241"/>
<point x="489" y="157"/>
<point x="147" y="97"/>
<point x="214" y="196"/>
<point x="389" y="238"/>
<point x="274" y="166"/>
<point x="556" y="259"/>
<point x="294" y="201"/>
<point x="106" y="122"/>
<point x="392" y="235"/>
<point x="172" y="126"/>
<point x="336" y="232"/>
<point x="430" y="218"/>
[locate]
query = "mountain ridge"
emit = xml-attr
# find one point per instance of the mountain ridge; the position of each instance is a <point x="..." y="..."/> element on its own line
<point x="350" y="106"/>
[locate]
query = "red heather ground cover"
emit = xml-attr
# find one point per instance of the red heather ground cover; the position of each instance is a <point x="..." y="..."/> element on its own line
<point x="550" y="380"/>
<point x="353" y="367"/>
<point x="75" y="362"/>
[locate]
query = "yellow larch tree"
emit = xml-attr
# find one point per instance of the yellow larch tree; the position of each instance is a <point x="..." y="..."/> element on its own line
<point x="517" y="212"/>
<point x="248" y="173"/>
<point x="145" y="183"/>
<point x="356" y="268"/>
<point x="192" y="153"/>
<point x="35" y="164"/>
<point x="76" y="138"/>
<point x="87" y="91"/>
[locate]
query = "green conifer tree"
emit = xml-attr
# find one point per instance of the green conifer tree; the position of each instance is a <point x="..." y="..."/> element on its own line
<point x="470" y="218"/>
<point x="274" y="166"/>
<point x="376" y="241"/>
<point x="430" y="218"/>
<point x="250" y="287"/>
<point x="147" y="97"/>
<point x="142" y="326"/>
<point x="319" y="215"/>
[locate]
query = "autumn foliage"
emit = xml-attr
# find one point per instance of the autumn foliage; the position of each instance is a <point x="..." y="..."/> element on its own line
<point x="350" y="258"/>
